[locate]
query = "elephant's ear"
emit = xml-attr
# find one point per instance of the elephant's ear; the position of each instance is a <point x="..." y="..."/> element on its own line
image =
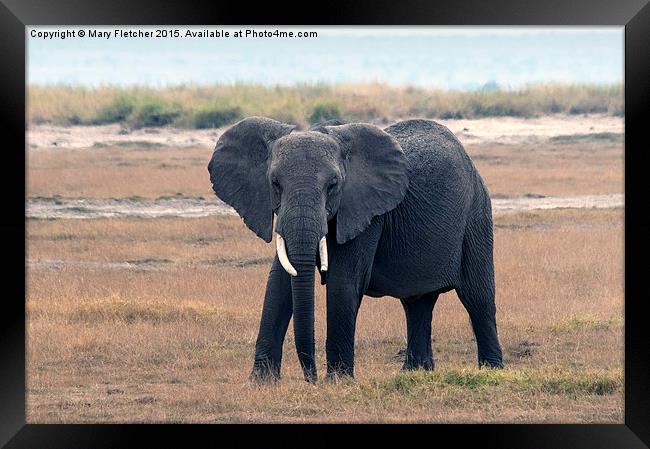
<point x="238" y="170"/>
<point x="376" y="176"/>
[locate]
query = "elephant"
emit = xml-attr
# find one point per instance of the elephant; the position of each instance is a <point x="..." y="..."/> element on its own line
<point x="398" y="212"/>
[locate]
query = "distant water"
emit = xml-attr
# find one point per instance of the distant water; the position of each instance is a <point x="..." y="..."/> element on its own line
<point x="434" y="57"/>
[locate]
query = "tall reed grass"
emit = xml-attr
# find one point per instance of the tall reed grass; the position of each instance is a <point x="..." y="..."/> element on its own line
<point x="197" y="106"/>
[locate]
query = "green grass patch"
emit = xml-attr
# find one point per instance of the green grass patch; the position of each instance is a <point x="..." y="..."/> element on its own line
<point x="445" y="382"/>
<point x="582" y="383"/>
<point x="415" y="382"/>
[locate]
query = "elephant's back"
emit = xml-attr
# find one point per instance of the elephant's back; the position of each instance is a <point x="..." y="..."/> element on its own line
<point x="436" y="158"/>
<point x="425" y="142"/>
<point x="417" y="132"/>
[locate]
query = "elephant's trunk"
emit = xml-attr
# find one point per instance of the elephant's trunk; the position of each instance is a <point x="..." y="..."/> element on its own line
<point x="301" y="224"/>
<point x="303" y="255"/>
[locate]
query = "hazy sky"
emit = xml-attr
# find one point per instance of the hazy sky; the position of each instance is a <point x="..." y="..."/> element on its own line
<point x="445" y="57"/>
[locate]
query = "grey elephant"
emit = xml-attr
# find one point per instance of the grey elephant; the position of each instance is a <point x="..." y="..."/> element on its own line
<point x="397" y="212"/>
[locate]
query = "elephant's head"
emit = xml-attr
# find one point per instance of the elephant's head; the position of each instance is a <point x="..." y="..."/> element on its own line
<point x="353" y="172"/>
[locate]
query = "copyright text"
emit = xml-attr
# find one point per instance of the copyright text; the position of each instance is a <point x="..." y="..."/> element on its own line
<point x="162" y="33"/>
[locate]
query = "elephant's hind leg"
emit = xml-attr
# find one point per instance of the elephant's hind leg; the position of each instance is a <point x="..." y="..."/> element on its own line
<point x="419" y="311"/>
<point x="477" y="291"/>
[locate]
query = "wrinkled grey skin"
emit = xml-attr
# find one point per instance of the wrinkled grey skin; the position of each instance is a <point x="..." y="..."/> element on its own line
<point x="405" y="213"/>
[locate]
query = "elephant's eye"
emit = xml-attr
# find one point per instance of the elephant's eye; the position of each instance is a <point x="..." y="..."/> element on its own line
<point x="333" y="183"/>
<point x="276" y="185"/>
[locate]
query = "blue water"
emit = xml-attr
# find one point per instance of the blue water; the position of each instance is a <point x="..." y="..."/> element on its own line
<point x="459" y="58"/>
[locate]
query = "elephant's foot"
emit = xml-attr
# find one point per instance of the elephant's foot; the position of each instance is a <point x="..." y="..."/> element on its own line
<point x="414" y="362"/>
<point x="263" y="378"/>
<point x="495" y="363"/>
<point x="336" y="377"/>
<point x="339" y="370"/>
<point x="309" y="373"/>
<point x="265" y="372"/>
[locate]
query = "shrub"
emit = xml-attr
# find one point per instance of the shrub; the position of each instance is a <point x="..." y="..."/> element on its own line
<point x="286" y="116"/>
<point x="364" y="113"/>
<point x="117" y="111"/>
<point x="216" y="117"/>
<point x="323" y="112"/>
<point x="155" y="112"/>
<point x="448" y="115"/>
<point x="74" y="119"/>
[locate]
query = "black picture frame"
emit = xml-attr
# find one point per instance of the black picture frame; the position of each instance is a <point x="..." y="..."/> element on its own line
<point x="15" y="15"/>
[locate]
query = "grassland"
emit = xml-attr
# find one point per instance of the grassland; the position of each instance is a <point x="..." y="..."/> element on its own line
<point x="154" y="320"/>
<point x="216" y="106"/>
<point x="175" y="344"/>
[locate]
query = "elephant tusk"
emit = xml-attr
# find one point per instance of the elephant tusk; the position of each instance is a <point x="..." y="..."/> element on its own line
<point x="282" y="255"/>
<point x="322" y="248"/>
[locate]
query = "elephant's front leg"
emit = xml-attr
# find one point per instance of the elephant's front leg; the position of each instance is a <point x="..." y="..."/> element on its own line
<point x="343" y="301"/>
<point x="350" y="268"/>
<point x="276" y="315"/>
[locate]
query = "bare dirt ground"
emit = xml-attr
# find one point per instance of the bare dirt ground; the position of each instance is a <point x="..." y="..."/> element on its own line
<point x="147" y="316"/>
<point x="585" y="166"/>
<point x="505" y="130"/>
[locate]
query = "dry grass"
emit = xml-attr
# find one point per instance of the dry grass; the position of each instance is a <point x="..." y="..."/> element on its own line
<point x="207" y="106"/>
<point x="589" y="167"/>
<point x="549" y="169"/>
<point x="213" y="240"/>
<point x="176" y="345"/>
<point x="169" y="337"/>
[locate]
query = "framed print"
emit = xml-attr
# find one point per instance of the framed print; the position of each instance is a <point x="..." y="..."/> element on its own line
<point x="424" y="214"/>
